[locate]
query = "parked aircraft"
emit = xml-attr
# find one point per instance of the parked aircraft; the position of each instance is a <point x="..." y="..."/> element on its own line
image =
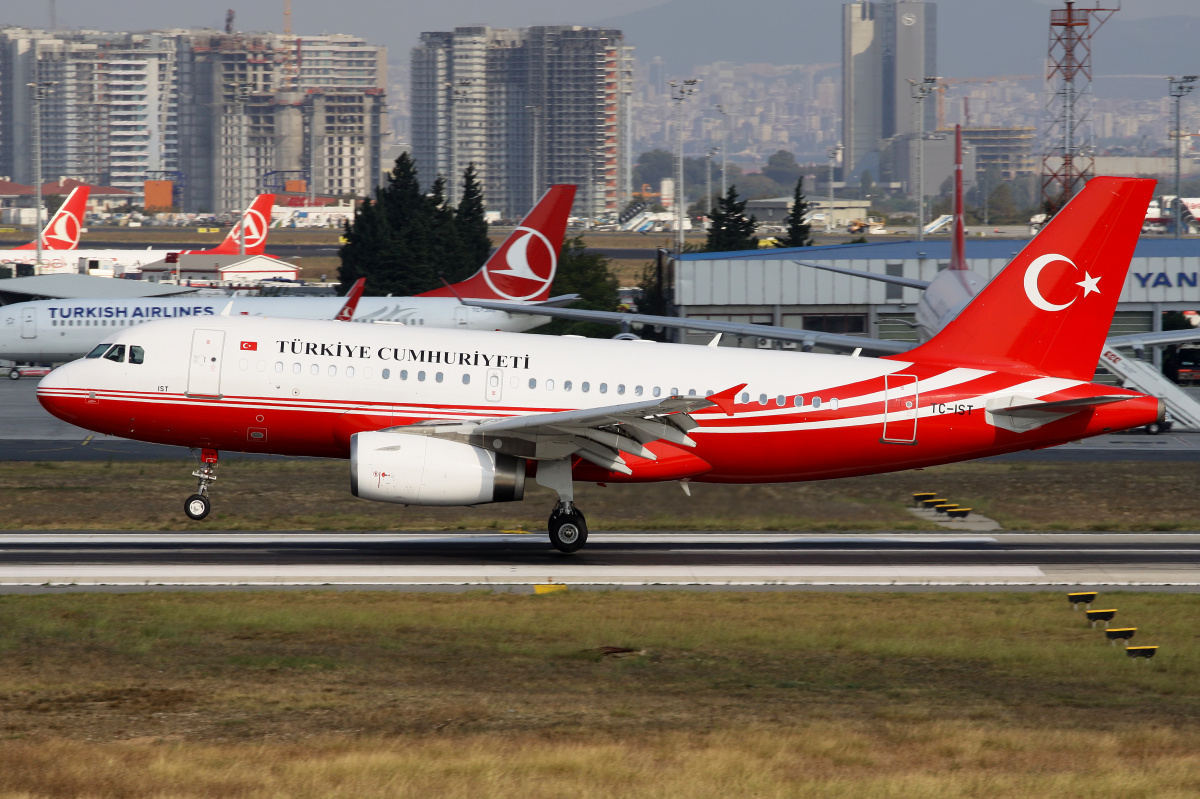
<point x="523" y="268"/>
<point x="61" y="233"/>
<point x="451" y="417"/>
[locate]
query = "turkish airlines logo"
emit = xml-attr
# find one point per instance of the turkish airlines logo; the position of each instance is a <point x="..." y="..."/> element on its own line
<point x="1034" y="271"/>
<point x="529" y="263"/>
<point x="62" y="232"/>
<point x="256" y="228"/>
<point x="250" y="346"/>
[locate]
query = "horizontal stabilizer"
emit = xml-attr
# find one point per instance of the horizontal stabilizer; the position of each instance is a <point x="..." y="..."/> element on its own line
<point x="895" y="280"/>
<point x="1022" y="414"/>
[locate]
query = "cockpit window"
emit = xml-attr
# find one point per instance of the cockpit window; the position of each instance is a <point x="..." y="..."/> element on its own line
<point x="136" y="354"/>
<point x="99" y="350"/>
<point x="117" y="353"/>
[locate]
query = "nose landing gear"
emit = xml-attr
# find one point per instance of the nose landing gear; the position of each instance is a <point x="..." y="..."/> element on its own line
<point x="197" y="505"/>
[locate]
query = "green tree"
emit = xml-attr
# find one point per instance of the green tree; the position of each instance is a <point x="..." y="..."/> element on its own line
<point x="797" y="232"/>
<point x="589" y="275"/>
<point x="731" y="229"/>
<point x="782" y="168"/>
<point x="469" y="221"/>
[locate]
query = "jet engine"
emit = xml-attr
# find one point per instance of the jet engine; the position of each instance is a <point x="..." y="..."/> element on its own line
<point x="422" y="470"/>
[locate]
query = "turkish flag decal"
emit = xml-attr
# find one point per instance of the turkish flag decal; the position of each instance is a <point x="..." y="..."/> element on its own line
<point x="251" y="346"/>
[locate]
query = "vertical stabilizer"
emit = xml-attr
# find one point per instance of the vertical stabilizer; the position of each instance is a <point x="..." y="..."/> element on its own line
<point x="256" y="220"/>
<point x="63" y="229"/>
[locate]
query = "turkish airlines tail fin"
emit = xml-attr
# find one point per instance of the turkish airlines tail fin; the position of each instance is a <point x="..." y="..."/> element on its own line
<point x="256" y="220"/>
<point x="1050" y="309"/>
<point x="346" y="314"/>
<point x="524" y="266"/>
<point x="63" y="229"/>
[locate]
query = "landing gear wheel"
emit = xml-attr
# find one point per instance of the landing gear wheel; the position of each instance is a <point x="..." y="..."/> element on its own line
<point x="14" y="374"/>
<point x="1154" y="428"/>
<point x="568" y="530"/>
<point x="197" y="507"/>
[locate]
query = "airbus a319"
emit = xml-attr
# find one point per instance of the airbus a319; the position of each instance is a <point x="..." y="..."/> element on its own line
<point x="453" y="417"/>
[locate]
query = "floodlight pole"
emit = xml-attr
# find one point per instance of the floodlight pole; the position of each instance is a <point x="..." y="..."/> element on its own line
<point x="680" y="91"/>
<point x="724" y="143"/>
<point x="1177" y="88"/>
<point x="41" y="90"/>
<point x="833" y="156"/>
<point x="921" y="90"/>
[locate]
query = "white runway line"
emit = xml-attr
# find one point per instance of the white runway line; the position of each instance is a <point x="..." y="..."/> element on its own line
<point x="449" y="537"/>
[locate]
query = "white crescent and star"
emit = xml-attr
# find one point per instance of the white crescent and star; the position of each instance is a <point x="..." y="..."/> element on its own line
<point x="1034" y="270"/>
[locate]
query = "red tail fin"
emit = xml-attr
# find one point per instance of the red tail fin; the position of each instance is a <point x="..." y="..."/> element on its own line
<point x="257" y="220"/>
<point x="1052" y="306"/>
<point x="63" y="229"/>
<point x="524" y="266"/>
<point x="346" y="314"/>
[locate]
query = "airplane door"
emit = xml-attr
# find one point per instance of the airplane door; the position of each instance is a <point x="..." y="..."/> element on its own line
<point x="460" y="316"/>
<point x="900" y="405"/>
<point x="204" y="370"/>
<point x="494" y="384"/>
<point x="29" y="323"/>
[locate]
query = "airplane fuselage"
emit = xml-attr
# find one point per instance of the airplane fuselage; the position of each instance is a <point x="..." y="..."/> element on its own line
<point x="281" y="386"/>
<point x="53" y="331"/>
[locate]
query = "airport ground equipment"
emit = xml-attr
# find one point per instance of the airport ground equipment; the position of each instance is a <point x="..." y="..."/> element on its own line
<point x="1184" y="410"/>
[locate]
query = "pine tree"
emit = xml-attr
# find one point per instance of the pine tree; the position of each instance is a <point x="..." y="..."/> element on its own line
<point x="798" y="233"/>
<point x="731" y="229"/>
<point x="470" y="224"/>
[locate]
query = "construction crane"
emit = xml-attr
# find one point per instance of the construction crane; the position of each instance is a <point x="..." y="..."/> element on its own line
<point x="946" y="83"/>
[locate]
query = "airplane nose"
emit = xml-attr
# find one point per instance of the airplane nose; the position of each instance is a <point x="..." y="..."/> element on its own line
<point x="62" y="394"/>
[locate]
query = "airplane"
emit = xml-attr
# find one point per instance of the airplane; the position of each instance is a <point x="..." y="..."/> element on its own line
<point x="941" y="301"/>
<point x="60" y="233"/>
<point x="256" y="220"/>
<point x="522" y="269"/>
<point x="456" y="417"/>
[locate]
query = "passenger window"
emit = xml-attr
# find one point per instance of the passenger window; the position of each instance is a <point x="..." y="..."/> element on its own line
<point x="604" y="388"/>
<point x="657" y="391"/>
<point x="585" y="386"/>
<point x="466" y="379"/>
<point x="674" y="392"/>
<point x="295" y="368"/>
<point x="637" y="391"/>
<point x="98" y="350"/>
<point x="385" y="374"/>
<point x="762" y="399"/>
<point x="314" y="369"/>
<point x="833" y="404"/>
<point x="620" y="388"/>
<point x="349" y="371"/>
<point x="549" y="385"/>
<point x="533" y="382"/>
<point x="780" y="400"/>
<point x="798" y="401"/>
<point x="116" y="354"/>
<point x="816" y="403"/>
<point x="709" y="393"/>
<point x="332" y="370"/>
<point x="403" y="374"/>
<point x="279" y="366"/>
<point x="438" y="377"/>
<point x="566" y="385"/>
<point x="745" y="397"/>
<point x="691" y="392"/>
<point x="421" y="376"/>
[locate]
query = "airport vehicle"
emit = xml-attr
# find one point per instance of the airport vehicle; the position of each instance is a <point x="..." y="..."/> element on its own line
<point x="255" y="222"/>
<point x="17" y="372"/>
<point x="521" y="270"/>
<point x="455" y="417"/>
<point x="60" y="234"/>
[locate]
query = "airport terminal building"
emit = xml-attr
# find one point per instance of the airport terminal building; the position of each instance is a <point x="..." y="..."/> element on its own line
<point x="768" y="287"/>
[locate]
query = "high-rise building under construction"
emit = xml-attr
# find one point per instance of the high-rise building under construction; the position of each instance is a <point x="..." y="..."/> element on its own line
<point x="529" y="107"/>
<point x="885" y="45"/>
<point x="224" y="115"/>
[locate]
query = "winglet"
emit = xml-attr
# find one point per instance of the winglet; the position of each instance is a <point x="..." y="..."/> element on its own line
<point x="228" y="309"/>
<point x="724" y="399"/>
<point x="346" y="314"/>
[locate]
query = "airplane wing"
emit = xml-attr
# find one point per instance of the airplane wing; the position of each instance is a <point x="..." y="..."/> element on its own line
<point x="806" y="337"/>
<point x="598" y="435"/>
<point x="1139" y="341"/>
<point x="907" y="282"/>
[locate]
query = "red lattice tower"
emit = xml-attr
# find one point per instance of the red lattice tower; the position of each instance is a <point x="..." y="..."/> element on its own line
<point x="1067" y="163"/>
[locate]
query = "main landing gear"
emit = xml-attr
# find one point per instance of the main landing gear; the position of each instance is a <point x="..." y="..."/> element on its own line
<point x="197" y="505"/>
<point x="568" y="528"/>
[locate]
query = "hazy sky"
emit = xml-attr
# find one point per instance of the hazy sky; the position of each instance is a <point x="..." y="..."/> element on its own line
<point x="397" y="23"/>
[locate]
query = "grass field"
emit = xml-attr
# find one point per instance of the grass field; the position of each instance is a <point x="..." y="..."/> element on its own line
<point x="318" y="694"/>
<point x="315" y="495"/>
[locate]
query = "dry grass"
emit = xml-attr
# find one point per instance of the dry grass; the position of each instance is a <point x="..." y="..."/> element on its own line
<point x="314" y="495"/>
<point x="378" y="694"/>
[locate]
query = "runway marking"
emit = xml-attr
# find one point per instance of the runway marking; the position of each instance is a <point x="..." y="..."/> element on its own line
<point x="87" y="441"/>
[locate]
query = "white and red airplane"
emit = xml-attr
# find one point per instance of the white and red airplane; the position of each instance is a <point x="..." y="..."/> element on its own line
<point x="522" y="269"/>
<point x="256" y="220"/>
<point x="61" y="232"/>
<point x="449" y="417"/>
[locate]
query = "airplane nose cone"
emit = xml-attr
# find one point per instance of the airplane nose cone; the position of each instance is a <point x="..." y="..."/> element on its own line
<point x="60" y="393"/>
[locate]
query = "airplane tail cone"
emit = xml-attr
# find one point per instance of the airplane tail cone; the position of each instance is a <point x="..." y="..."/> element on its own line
<point x="1050" y="309"/>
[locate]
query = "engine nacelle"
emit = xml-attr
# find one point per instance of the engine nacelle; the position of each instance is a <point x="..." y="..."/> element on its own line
<point x="421" y="470"/>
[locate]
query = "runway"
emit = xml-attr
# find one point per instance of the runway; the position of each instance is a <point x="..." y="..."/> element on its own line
<point x="417" y="561"/>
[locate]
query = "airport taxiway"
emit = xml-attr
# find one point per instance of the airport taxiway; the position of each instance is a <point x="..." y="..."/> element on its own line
<point x="415" y="561"/>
